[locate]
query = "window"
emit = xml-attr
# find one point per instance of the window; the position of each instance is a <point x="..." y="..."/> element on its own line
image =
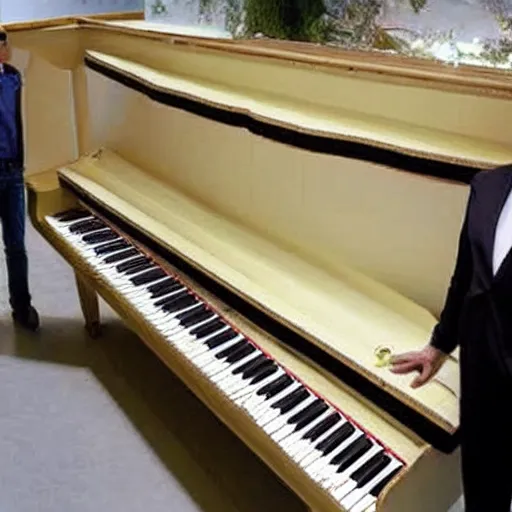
<point x="477" y="32"/>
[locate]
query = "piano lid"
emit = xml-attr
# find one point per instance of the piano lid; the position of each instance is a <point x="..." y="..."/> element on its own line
<point x="342" y="130"/>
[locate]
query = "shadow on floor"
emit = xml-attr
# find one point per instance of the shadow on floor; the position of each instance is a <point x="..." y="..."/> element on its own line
<point x="139" y="382"/>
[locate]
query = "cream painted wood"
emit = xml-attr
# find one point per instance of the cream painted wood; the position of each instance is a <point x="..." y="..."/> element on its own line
<point x="398" y="228"/>
<point x="49" y="116"/>
<point x="347" y="314"/>
<point x="430" y="473"/>
<point x="81" y="110"/>
<point x="89" y="303"/>
<point x="339" y="123"/>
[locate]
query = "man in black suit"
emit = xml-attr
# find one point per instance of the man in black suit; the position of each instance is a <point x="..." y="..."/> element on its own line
<point x="477" y="316"/>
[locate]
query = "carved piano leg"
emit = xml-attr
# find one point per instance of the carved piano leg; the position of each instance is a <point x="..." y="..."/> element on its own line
<point x="90" y="306"/>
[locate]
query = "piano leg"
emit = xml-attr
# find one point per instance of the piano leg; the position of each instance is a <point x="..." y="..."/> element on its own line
<point x="90" y="306"/>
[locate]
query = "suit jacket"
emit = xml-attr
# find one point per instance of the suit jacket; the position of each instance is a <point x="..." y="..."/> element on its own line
<point x="478" y="305"/>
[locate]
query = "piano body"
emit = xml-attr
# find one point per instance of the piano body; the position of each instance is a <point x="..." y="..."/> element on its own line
<point x="272" y="221"/>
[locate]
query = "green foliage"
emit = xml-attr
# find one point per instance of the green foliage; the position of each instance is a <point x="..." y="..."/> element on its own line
<point x="345" y="22"/>
<point x="348" y="24"/>
<point x="283" y="19"/>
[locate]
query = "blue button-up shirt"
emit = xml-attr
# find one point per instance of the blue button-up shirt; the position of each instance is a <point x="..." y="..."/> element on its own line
<point x="10" y="85"/>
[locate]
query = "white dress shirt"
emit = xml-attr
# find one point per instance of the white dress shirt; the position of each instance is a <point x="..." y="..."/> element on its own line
<point x="503" y="238"/>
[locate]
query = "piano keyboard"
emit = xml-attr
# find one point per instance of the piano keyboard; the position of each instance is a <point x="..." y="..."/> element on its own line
<point x="327" y="445"/>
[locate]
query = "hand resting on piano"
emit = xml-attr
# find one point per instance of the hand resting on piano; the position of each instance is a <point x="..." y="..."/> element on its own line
<point x="427" y="362"/>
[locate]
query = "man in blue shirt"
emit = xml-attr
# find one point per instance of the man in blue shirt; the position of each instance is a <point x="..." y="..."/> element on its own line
<point x="12" y="189"/>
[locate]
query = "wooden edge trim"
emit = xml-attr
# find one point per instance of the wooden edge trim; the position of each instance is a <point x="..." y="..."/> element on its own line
<point x="59" y="21"/>
<point x="472" y="79"/>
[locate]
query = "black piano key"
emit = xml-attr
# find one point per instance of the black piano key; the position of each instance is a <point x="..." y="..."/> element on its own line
<point x="208" y="328"/>
<point x="86" y="226"/>
<point x="158" y="286"/>
<point x="351" y="453"/>
<point x="370" y="469"/>
<point x="240" y="347"/>
<point x="170" y="295"/>
<point x="320" y="429"/>
<point x="299" y="415"/>
<point x="148" y="277"/>
<point x="296" y="401"/>
<point x="285" y="399"/>
<point x="228" y="351"/>
<point x="195" y="316"/>
<point x="183" y="317"/>
<point x="276" y="386"/>
<point x="312" y="411"/>
<point x="240" y="354"/>
<point x="71" y="215"/>
<point x="265" y="372"/>
<point x="259" y="369"/>
<point x="111" y="247"/>
<point x="96" y="238"/>
<point x="336" y="438"/>
<point x="166" y="288"/>
<point x="122" y="267"/>
<point x="251" y="372"/>
<point x="377" y="489"/>
<point x="290" y="401"/>
<point x="120" y="256"/>
<point x="139" y="268"/>
<point x="221" y="338"/>
<point x="172" y="299"/>
<point x="251" y="364"/>
<point x="183" y="302"/>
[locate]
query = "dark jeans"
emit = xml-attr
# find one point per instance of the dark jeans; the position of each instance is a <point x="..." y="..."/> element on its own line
<point x="12" y="216"/>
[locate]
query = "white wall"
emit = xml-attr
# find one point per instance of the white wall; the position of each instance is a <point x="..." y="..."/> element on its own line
<point x="23" y="10"/>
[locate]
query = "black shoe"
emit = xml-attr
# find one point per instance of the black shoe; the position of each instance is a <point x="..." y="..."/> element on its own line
<point x="28" y="319"/>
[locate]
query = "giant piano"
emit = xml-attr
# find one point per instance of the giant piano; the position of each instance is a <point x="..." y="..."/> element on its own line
<point x="272" y="220"/>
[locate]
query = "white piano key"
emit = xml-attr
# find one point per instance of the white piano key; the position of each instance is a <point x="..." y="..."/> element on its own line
<point x="268" y="419"/>
<point x="364" y="504"/>
<point x="332" y="479"/>
<point x="256" y="403"/>
<point x="310" y="454"/>
<point x="294" y="439"/>
<point x="350" y="499"/>
<point x="281" y="420"/>
<point x="190" y="341"/>
<point x="319" y="465"/>
<point x="228" y="368"/>
<point x="203" y="351"/>
<point x="315" y="454"/>
<point x="203" y="357"/>
<point x="241" y="394"/>
<point x="225" y="368"/>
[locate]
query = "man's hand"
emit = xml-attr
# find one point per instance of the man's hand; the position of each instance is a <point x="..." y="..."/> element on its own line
<point x="427" y="362"/>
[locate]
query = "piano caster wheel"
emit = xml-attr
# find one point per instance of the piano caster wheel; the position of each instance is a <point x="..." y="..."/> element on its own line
<point x="93" y="330"/>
